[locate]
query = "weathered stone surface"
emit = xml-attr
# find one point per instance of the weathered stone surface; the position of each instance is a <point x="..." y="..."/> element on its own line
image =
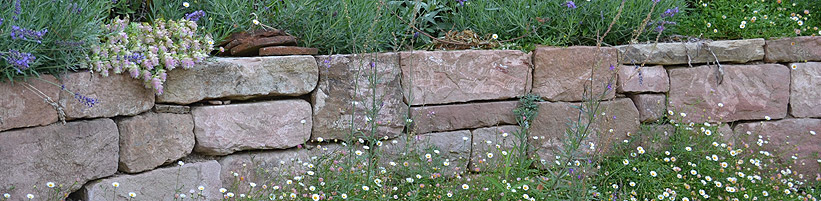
<point x="439" y="118"/>
<point x="727" y="51"/>
<point x="793" y="49"/>
<point x="805" y="90"/>
<point x="485" y="141"/>
<point x="117" y="95"/>
<point x="224" y="129"/>
<point x="242" y="78"/>
<point x="645" y="79"/>
<point x="252" y="48"/>
<point x="262" y="167"/>
<point x="160" y="184"/>
<point x="76" y="152"/>
<point x="748" y="92"/>
<point x="460" y="76"/>
<point x="153" y="139"/>
<point x="343" y="80"/>
<point x="176" y="109"/>
<point x="287" y="50"/>
<point x="551" y="123"/>
<point x="453" y="146"/>
<point x="651" y="106"/>
<point x="561" y="74"/>
<point x="787" y="138"/>
<point x="21" y="107"/>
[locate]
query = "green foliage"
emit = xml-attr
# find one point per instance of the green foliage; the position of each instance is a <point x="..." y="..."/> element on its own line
<point x="694" y="163"/>
<point x="67" y="29"/>
<point x="741" y="19"/>
<point x="222" y="18"/>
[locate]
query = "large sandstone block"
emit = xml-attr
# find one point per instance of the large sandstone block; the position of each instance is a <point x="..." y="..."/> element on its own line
<point x="153" y="139"/>
<point x="242" y="78"/>
<point x="79" y="151"/>
<point x="345" y="92"/>
<point x="462" y="116"/>
<point x="793" y="49"/>
<point x="805" y="90"/>
<point x="550" y="125"/>
<point x="116" y="95"/>
<point x="21" y="107"/>
<point x="727" y="51"/>
<point x="635" y="79"/>
<point x="224" y="129"/>
<point x="265" y="167"/>
<point x="488" y="145"/>
<point x="748" y="92"/>
<point x="439" y="77"/>
<point x="160" y="184"/>
<point x="652" y="107"/>
<point x="787" y="138"/>
<point x="562" y="74"/>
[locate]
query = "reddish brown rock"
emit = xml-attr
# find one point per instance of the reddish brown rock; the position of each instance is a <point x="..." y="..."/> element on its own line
<point x="344" y="90"/>
<point x="460" y="76"/>
<point x="805" y="90"/>
<point x="160" y="184"/>
<point x="116" y="95"/>
<point x="727" y="51"/>
<point x="645" y="79"/>
<point x="241" y="78"/>
<point x="462" y="116"/>
<point x="153" y="139"/>
<point x="787" y="138"/>
<point x="651" y="107"/>
<point x="224" y="129"/>
<point x="748" y="92"/>
<point x="561" y="74"/>
<point x="264" y="167"/>
<point x="252" y="47"/>
<point x="550" y="125"/>
<point x="287" y="50"/>
<point x="485" y="142"/>
<point x="793" y="49"/>
<point x="21" y="107"/>
<point x="79" y="151"/>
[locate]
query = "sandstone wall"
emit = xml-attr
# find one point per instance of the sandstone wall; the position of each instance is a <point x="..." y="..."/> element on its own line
<point x="223" y="116"/>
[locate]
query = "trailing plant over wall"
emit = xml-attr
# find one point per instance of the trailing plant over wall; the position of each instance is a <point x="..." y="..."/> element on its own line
<point x="147" y="51"/>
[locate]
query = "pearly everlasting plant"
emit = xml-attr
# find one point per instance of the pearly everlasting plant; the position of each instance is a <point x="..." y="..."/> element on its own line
<point x="147" y="51"/>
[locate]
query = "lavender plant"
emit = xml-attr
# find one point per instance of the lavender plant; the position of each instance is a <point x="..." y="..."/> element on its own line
<point x="148" y="51"/>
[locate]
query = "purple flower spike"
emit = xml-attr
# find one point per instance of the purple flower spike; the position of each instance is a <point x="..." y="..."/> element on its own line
<point x="19" y="60"/>
<point x="195" y="16"/>
<point x="570" y="4"/>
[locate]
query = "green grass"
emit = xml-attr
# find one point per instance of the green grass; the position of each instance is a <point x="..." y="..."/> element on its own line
<point x="744" y="19"/>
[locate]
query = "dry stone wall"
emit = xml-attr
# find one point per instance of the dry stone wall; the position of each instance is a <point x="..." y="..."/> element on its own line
<point x="233" y="116"/>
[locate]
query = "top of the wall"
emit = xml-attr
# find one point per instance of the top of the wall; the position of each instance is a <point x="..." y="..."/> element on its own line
<point x="797" y="49"/>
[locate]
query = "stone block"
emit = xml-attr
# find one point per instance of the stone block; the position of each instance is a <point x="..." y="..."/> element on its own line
<point x="117" y="95"/>
<point x="153" y="139"/>
<point x="160" y="184"/>
<point x="643" y="79"/>
<point x="21" y="107"/>
<point x="562" y="74"/>
<point x="726" y="51"/>
<point x="805" y="90"/>
<point x="241" y="78"/>
<point x="437" y="77"/>
<point x="462" y="116"/>
<point x="224" y="129"/>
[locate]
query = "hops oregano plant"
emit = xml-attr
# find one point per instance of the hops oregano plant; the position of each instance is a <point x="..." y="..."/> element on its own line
<point x="147" y="51"/>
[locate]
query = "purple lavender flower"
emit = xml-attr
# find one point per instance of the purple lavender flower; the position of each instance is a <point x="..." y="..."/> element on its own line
<point x="74" y="7"/>
<point x="461" y="2"/>
<point x="136" y="57"/>
<point x="19" y="60"/>
<point x="570" y="4"/>
<point x="195" y="16"/>
<point x="85" y="100"/>
<point x="17" y="10"/>
<point x="612" y="67"/>
<point x="27" y="34"/>
<point x="670" y="12"/>
<point x="1" y="21"/>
